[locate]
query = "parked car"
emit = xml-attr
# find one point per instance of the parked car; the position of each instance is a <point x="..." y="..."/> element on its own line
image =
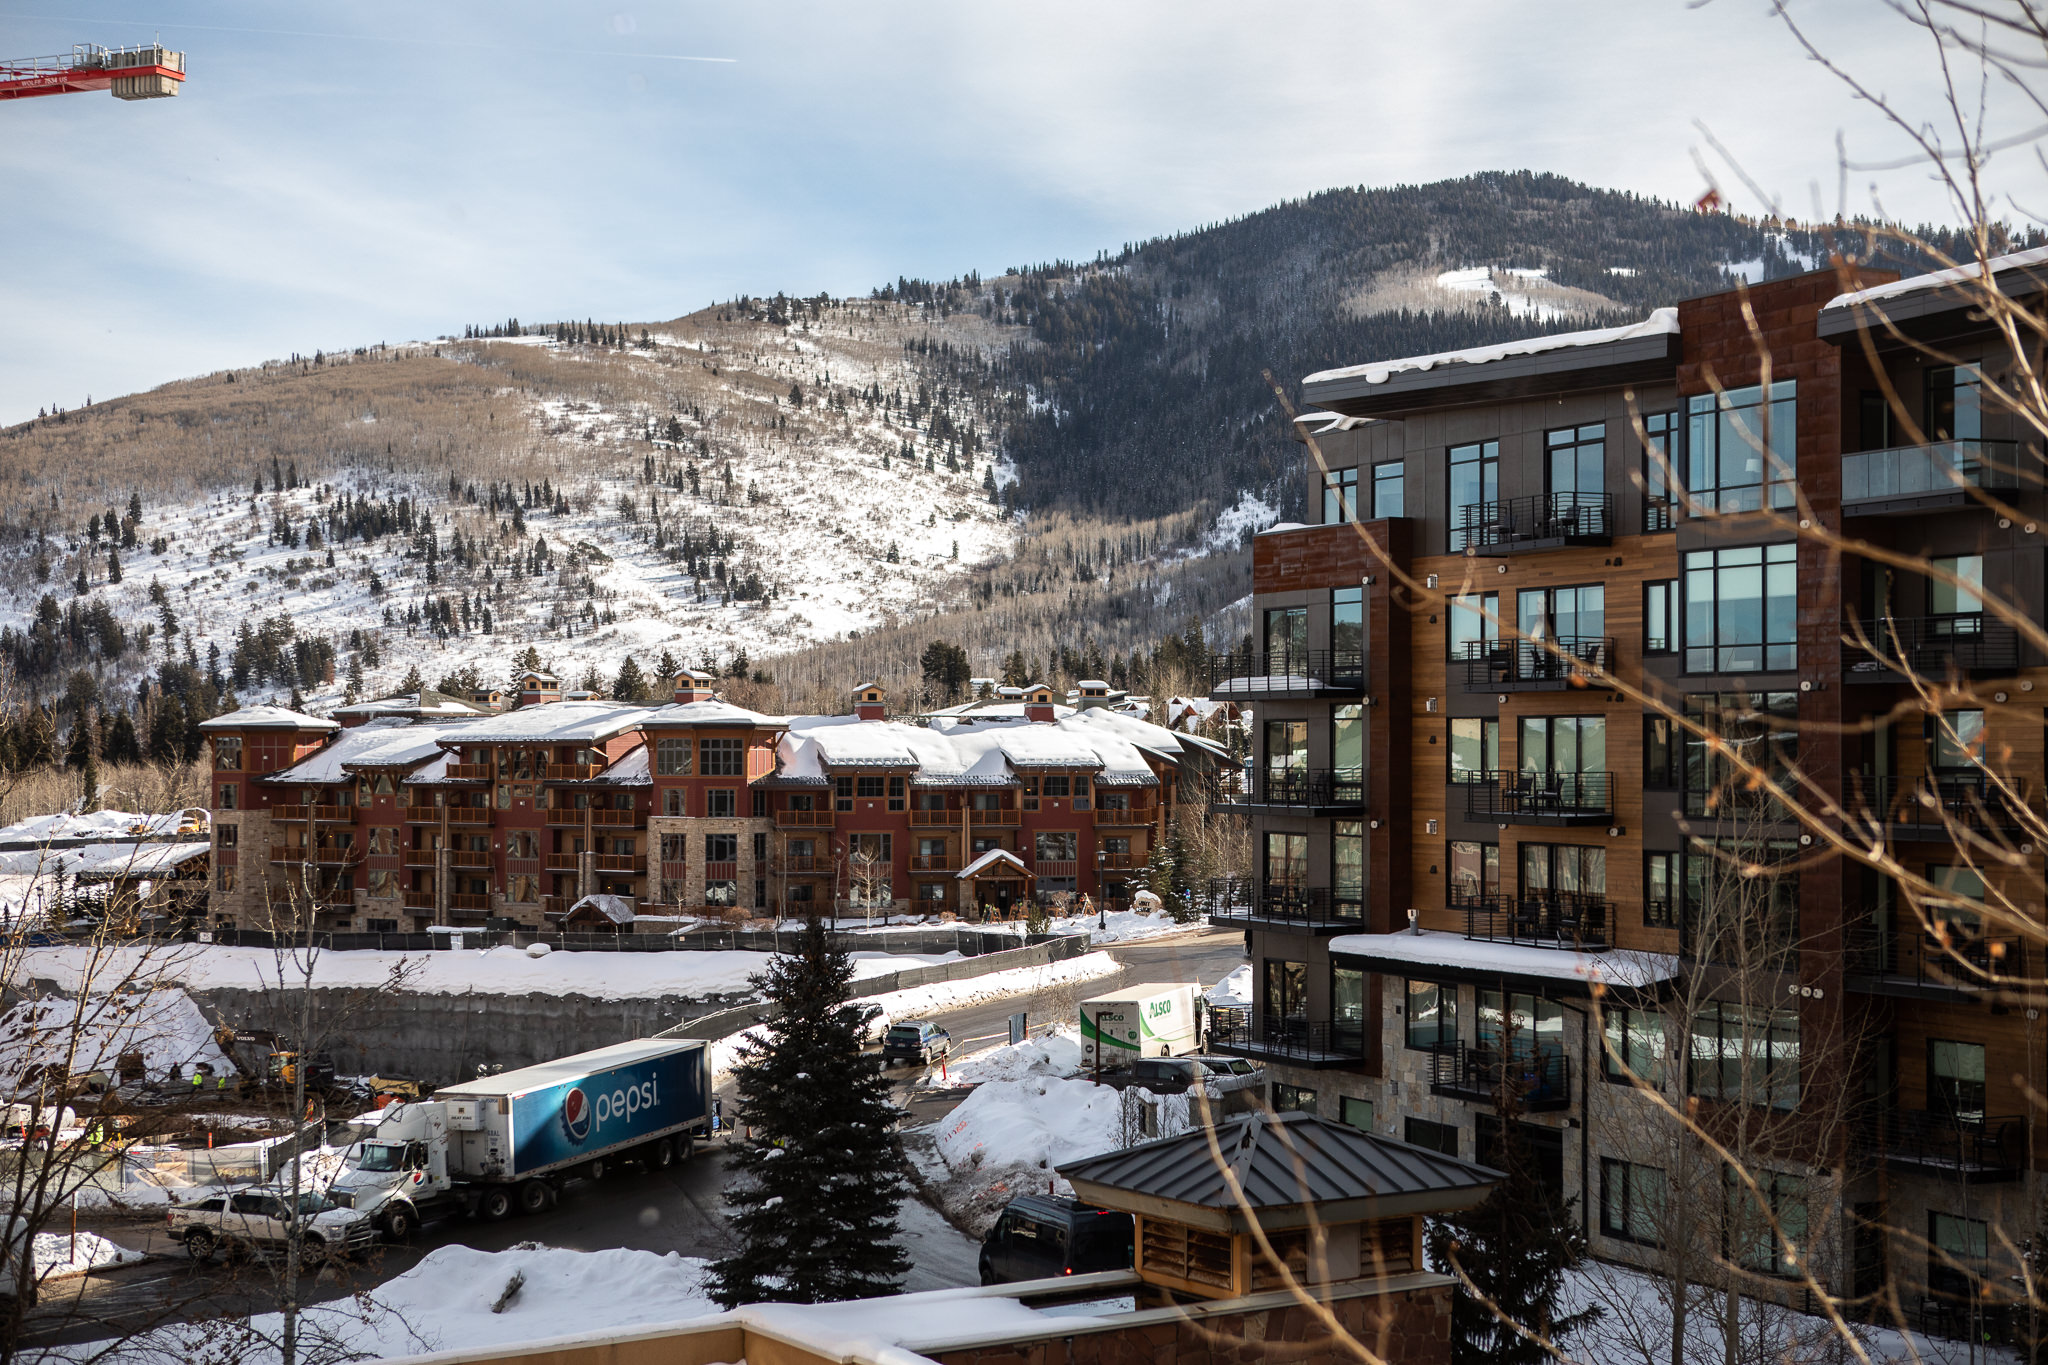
<point x="1039" y="1237"/>
<point x="256" y="1221"/>
<point x="1177" y="1075"/>
<point x="915" y="1041"/>
<point x="1228" y="1066"/>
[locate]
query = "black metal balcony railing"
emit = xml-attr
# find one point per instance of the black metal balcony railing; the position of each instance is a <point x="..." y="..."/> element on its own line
<point x="1539" y="522"/>
<point x="1540" y="798"/>
<point x="1297" y="788"/>
<point x="1931" y="647"/>
<point x="1532" y="666"/>
<point x="1281" y="673"/>
<point x="1897" y="957"/>
<point x="1907" y="478"/>
<point x="1933" y="806"/>
<point x="1247" y="900"/>
<point x="1540" y="1080"/>
<point x="1543" y="918"/>
<point x="1243" y="1033"/>
<point x="1980" y="1148"/>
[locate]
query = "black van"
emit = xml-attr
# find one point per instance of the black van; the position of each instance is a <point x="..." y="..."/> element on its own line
<point x="1039" y="1237"/>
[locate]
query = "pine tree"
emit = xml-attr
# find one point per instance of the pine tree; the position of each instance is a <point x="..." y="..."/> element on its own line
<point x="1515" y="1247"/>
<point x="113" y="566"/>
<point x="814" y="1208"/>
<point x="631" y="684"/>
<point x="413" y="681"/>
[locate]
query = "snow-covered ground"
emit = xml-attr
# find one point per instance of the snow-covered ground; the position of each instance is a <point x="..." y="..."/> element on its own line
<point x="91" y="1033"/>
<point x="60" y="1255"/>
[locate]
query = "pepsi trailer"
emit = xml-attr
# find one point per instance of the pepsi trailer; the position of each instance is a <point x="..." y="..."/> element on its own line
<point x="505" y="1143"/>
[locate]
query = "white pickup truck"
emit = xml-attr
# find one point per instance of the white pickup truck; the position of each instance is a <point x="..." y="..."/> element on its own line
<point x="256" y="1221"/>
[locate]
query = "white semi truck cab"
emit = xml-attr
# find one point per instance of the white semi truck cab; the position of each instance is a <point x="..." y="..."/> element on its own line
<point x="510" y="1141"/>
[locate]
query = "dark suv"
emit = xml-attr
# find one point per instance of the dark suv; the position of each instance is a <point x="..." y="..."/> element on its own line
<point x="915" y="1042"/>
<point x="1039" y="1237"/>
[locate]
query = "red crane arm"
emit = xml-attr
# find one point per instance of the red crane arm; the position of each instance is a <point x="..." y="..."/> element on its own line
<point x="147" y="71"/>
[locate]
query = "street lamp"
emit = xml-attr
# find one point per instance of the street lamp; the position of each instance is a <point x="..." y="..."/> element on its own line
<point x="1101" y="896"/>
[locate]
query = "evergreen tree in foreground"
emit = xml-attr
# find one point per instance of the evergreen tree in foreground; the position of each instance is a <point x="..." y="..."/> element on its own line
<point x="1515" y="1248"/>
<point x="814" y="1207"/>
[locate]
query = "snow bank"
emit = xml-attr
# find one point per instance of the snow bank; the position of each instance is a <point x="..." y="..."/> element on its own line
<point x="59" y="1254"/>
<point x="445" y="1302"/>
<point x="945" y="995"/>
<point x="1038" y="1121"/>
<point x="1056" y="1053"/>
<point x="1234" y="990"/>
<point x="92" y="1033"/>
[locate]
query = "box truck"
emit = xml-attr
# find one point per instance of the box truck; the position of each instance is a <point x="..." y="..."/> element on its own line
<point x="1138" y="1021"/>
<point x="508" y="1142"/>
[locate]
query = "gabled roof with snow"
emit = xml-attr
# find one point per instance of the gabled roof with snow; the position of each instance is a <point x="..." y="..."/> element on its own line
<point x="267" y="718"/>
<point x="1661" y="322"/>
<point x="677" y="715"/>
<point x="387" y="742"/>
<point x="127" y="860"/>
<point x="954" y="755"/>
<point x="629" y="771"/>
<point x="1000" y="859"/>
<point x="560" y="722"/>
<point x="617" y="909"/>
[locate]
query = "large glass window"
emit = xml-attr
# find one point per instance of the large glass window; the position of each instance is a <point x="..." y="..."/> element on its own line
<point x="1741" y="903"/>
<point x="1955" y="1080"/>
<point x="722" y="757"/>
<point x="1955" y="403"/>
<point x="1475" y="871"/>
<point x="1634" y="1049"/>
<point x="1742" y="610"/>
<point x="1286" y="860"/>
<point x="672" y="757"/>
<point x="1347" y="631"/>
<point x="1957" y="599"/>
<point x="1563" y="744"/>
<point x="1752" y="733"/>
<point x="1745" y="1054"/>
<point x="1562" y="614"/>
<point x="1432" y="1016"/>
<point x="1574" y="868"/>
<point x="1520" y="1025"/>
<point x="1389" y="490"/>
<point x="1577" y="462"/>
<point x="1437" y="1137"/>
<point x="1475" y="748"/>
<point x="1347" y="867"/>
<point x="1956" y="739"/>
<point x="1662" y="754"/>
<point x="1475" y="484"/>
<point x="1287" y="632"/>
<point x="1286" y="989"/>
<point x="1660" y="616"/>
<point x="1347" y="742"/>
<point x="1660" y="890"/>
<point x="1659" y="469"/>
<point x="1474" y="623"/>
<point x="1957" y="1251"/>
<point x="1347" y="1009"/>
<point x="227" y="753"/>
<point x="1340" y="496"/>
<point x="1631" y="1201"/>
<point x="1286" y="747"/>
<point x="1738" y="445"/>
<point x="1762" y="1221"/>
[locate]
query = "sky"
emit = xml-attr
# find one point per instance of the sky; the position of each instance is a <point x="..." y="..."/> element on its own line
<point x="336" y="175"/>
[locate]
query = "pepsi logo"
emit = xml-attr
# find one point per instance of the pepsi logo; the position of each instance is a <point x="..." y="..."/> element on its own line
<point x="576" y="1115"/>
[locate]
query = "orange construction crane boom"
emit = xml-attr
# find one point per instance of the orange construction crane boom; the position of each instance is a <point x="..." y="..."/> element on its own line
<point x="148" y="71"/>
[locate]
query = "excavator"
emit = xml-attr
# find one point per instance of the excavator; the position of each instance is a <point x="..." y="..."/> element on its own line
<point x="276" y="1067"/>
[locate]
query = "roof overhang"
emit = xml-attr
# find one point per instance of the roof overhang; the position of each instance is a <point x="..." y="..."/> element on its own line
<point x="1645" y="358"/>
<point x="1436" y="955"/>
<point x="1232" y="1218"/>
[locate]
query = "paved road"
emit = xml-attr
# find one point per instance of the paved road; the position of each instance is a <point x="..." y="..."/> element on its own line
<point x="674" y="1210"/>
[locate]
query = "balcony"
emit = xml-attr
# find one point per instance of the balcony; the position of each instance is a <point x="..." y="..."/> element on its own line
<point x="1509" y="798"/>
<point x="573" y="772"/>
<point x="563" y="862"/>
<point x="1933" y="807"/>
<point x="614" y="819"/>
<point x="1931" y="647"/>
<point x="335" y="815"/>
<point x="1142" y="815"/>
<point x="934" y="862"/>
<point x="336" y="898"/>
<point x="619" y="862"/>
<point x="1117" y="862"/>
<point x="806" y="865"/>
<point x="1302" y="791"/>
<point x="468" y="815"/>
<point x="567" y="816"/>
<point x="1297" y="674"/>
<point x="333" y="854"/>
<point x="554" y="905"/>
<point x="420" y="857"/>
<point x="722" y="871"/>
<point x="1300" y="1042"/>
<point x="1541" y="1081"/>
<point x="1531" y="666"/>
<point x="1545" y="521"/>
<point x="1056" y="867"/>
<point x="1913" y="964"/>
<point x="287" y="853"/>
<point x="469" y="772"/>
<point x="1238" y="902"/>
<point x="419" y="900"/>
<point x="1003" y="817"/>
<point x="821" y="819"/>
<point x="935" y="819"/>
<point x="462" y="903"/>
<point x="1977" y="1149"/>
<point x="1577" y="920"/>
<point x="468" y="857"/>
<point x="1903" y="479"/>
<point x="423" y="815"/>
<point x="288" y="812"/>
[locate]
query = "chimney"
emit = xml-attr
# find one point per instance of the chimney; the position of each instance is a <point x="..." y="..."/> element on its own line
<point x="537" y="689"/>
<point x="692" y="686"/>
<point x="867" y="702"/>
<point x="1038" y="702"/>
<point x="1094" y="693"/>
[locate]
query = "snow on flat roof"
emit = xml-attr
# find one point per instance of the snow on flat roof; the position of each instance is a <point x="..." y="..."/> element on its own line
<point x="267" y="718"/>
<point x="382" y="743"/>
<point x="1662" y="322"/>
<point x="544" y="1074"/>
<point x="560" y="722"/>
<point x="127" y="860"/>
<point x="1914" y="284"/>
<point x="1435" y="948"/>
<point x="709" y="713"/>
<point x="410" y="703"/>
